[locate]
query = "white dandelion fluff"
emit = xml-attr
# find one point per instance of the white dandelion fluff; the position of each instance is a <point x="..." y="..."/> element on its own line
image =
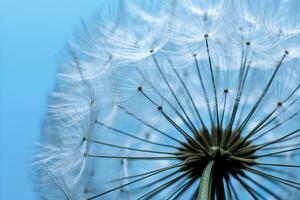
<point x="177" y="100"/>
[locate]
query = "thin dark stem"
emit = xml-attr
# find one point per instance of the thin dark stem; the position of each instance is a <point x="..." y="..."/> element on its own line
<point x="243" y="75"/>
<point x="149" y="172"/>
<point x="182" y="189"/>
<point x="277" y="165"/>
<point x="161" y="132"/>
<point x="264" y="188"/>
<point x="292" y="93"/>
<point x="278" y="140"/>
<point x="213" y="80"/>
<point x="119" y="187"/>
<point x="233" y="190"/>
<point x="190" y="97"/>
<point x="134" y="157"/>
<point x="229" y="192"/>
<point x="188" y="138"/>
<point x="194" y="194"/>
<point x="159" y="180"/>
<point x="128" y="148"/>
<point x="162" y="187"/>
<point x="281" y="147"/>
<point x="133" y="136"/>
<point x="276" y="116"/>
<point x="266" y="89"/>
<point x="276" y="126"/>
<point x="275" y="183"/>
<point x="261" y="146"/>
<point x="174" y="95"/>
<point x="186" y="135"/>
<point x="204" y="90"/>
<point x="167" y="101"/>
<point x="224" y="108"/>
<point x="248" y="188"/>
<point x="277" y="152"/>
<point x="254" y="130"/>
<point x="275" y="178"/>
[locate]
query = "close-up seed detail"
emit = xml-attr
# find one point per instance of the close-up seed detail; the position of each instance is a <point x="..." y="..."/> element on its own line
<point x="177" y="100"/>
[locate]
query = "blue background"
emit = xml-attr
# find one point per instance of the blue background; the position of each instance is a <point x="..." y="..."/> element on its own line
<point x="32" y="35"/>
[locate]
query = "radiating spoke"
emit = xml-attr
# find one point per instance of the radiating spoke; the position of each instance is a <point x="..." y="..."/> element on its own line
<point x="249" y="189"/>
<point x="266" y="89"/>
<point x="174" y="95"/>
<point x="134" y="157"/>
<point x="275" y="178"/>
<point x="119" y="187"/>
<point x="133" y="136"/>
<point x="181" y="189"/>
<point x="128" y="148"/>
<point x="162" y="187"/>
<point x="203" y="89"/>
<point x="212" y="79"/>
<point x="150" y="172"/>
<point x="264" y="188"/>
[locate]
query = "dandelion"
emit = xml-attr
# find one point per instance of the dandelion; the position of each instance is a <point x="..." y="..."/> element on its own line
<point x="178" y="100"/>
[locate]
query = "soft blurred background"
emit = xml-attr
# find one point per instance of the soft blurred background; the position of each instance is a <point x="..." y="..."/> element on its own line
<point x="33" y="33"/>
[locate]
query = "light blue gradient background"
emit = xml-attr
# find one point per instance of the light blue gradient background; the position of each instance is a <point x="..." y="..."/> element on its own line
<point x="32" y="35"/>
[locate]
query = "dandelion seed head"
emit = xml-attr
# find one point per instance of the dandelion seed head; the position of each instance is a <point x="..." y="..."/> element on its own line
<point x="151" y="99"/>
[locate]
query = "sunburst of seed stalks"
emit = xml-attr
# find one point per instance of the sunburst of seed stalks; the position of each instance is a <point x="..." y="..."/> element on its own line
<point x="177" y="100"/>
